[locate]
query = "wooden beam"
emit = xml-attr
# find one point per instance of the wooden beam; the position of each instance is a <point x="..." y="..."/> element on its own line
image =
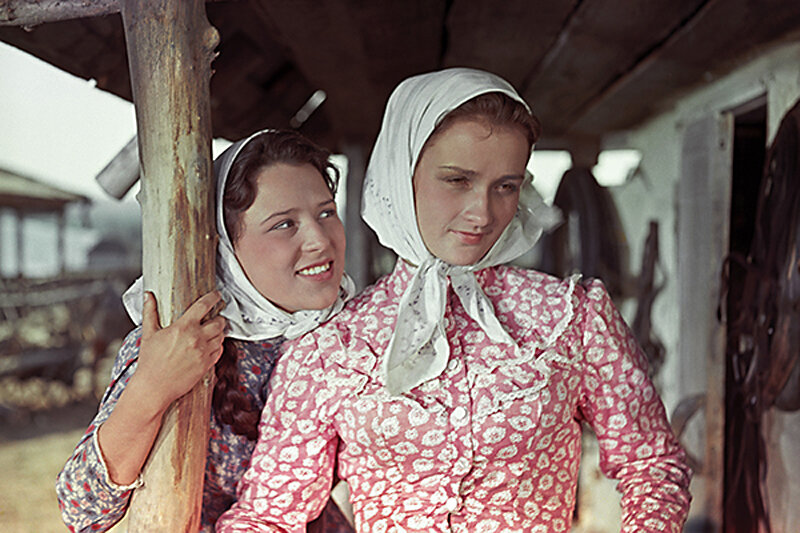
<point x="61" y="228"/>
<point x="713" y="496"/>
<point x="508" y="38"/>
<point x="721" y="35"/>
<point x="122" y="172"/>
<point x="600" y="43"/>
<point x="170" y="48"/>
<point x="356" y="52"/>
<point x="27" y="14"/>
<point x="19" y="220"/>
<point x="703" y="198"/>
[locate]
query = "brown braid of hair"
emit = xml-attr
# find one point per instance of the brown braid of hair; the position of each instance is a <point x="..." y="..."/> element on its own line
<point x="233" y="407"/>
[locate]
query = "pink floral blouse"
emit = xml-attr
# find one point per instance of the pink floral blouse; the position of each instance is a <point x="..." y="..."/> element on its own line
<point x="492" y="444"/>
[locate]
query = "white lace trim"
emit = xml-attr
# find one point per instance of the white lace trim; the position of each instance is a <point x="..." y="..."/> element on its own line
<point x="542" y="363"/>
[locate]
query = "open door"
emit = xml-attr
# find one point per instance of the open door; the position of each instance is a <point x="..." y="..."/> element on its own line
<point x="763" y="349"/>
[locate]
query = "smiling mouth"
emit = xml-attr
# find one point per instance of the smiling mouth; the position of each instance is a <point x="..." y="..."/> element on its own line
<point x="315" y="270"/>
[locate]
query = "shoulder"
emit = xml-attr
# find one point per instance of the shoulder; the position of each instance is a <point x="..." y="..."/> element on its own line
<point x="598" y="309"/>
<point x="376" y="304"/>
<point x="533" y="304"/>
<point x="593" y="297"/>
<point x="594" y="290"/>
<point x="512" y="276"/>
<point x="348" y="339"/>
<point x="379" y="295"/>
<point x="504" y="283"/>
<point x="258" y="352"/>
<point x="132" y="342"/>
<point x="255" y="360"/>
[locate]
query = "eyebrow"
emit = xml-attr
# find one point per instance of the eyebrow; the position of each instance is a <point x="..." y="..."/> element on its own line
<point x="473" y="172"/>
<point x="292" y="210"/>
<point x="458" y="169"/>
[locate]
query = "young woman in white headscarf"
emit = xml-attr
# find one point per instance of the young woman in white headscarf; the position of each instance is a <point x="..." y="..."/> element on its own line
<point x="452" y="392"/>
<point x="280" y="273"/>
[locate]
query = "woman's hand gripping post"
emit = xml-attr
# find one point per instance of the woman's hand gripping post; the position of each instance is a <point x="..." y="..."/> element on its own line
<point x="171" y="361"/>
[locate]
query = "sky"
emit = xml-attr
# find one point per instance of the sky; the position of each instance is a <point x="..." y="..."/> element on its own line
<point x="56" y="127"/>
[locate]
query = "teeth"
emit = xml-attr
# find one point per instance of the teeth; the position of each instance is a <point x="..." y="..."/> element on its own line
<point x="315" y="270"/>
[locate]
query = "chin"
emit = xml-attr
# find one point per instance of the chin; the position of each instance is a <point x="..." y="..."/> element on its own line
<point x="461" y="259"/>
<point x="460" y="255"/>
<point x="322" y="302"/>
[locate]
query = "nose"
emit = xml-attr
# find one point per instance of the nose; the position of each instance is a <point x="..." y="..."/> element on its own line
<point x="478" y="210"/>
<point x="315" y="238"/>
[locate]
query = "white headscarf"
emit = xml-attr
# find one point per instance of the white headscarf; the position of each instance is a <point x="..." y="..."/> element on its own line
<point x="250" y="315"/>
<point x="418" y="349"/>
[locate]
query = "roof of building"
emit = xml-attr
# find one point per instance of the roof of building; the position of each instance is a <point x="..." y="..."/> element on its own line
<point x="28" y="194"/>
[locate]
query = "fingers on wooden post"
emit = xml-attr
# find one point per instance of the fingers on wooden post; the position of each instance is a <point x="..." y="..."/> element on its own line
<point x="150" y="319"/>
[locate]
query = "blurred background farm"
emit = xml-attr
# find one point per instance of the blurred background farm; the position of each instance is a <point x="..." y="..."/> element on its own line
<point x="67" y="251"/>
<point x="61" y="321"/>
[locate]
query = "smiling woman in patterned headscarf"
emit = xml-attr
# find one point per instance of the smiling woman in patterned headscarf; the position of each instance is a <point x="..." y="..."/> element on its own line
<point x="452" y="391"/>
<point x="280" y="272"/>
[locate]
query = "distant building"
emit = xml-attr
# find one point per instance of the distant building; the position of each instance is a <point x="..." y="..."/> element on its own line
<point x="24" y="199"/>
<point x="108" y="254"/>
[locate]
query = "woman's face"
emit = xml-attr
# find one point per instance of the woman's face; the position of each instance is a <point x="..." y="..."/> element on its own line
<point x="292" y="243"/>
<point x="466" y="188"/>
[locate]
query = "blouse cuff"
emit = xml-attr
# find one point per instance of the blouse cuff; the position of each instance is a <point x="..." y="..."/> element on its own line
<point x="101" y="460"/>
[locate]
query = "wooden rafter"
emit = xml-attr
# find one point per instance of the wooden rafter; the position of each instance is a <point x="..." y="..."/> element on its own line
<point x="28" y="14"/>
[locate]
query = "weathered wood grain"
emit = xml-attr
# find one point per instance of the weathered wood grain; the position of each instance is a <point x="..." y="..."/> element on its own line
<point x="170" y="47"/>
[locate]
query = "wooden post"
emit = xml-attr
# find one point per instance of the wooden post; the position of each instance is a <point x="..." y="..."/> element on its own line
<point x="358" y="254"/>
<point x="19" y="221"/>
<point x="704" y="205"/>
<point x="61" y="222"/>
<point x="170" y="47"/>
<point x="28" y="14"/>
<point x="720" y="183"/>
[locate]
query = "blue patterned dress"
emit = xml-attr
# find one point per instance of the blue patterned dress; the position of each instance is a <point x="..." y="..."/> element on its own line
<point x="90" y="501"/>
